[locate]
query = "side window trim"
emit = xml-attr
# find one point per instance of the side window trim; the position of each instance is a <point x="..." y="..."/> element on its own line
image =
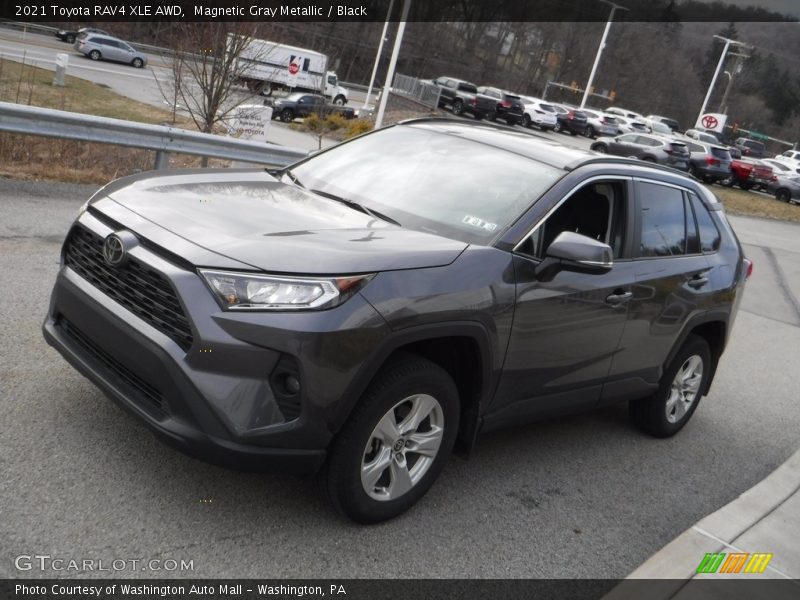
<point x="624" y="179"/>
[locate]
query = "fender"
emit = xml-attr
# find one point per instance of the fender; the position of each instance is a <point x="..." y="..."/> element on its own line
<point x="403" y="337"/>
<point x="710" y="316"/>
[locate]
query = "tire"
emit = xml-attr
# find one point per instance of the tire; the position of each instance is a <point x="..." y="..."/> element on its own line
<point x="339" y="100"/>
<point x="746" y="185"/>
<point x="287" y="115"/>
<point x="526" y="121"/>
<point x="458" y="108"/>
<point x="70" y="39"/>
<point x="666" y="412"/>
<point x="590" y="133"/>
<point x="783" y="195"/>
<point x="262" y="88"/>
<point x="94" y="55"/>
<point x="138" y="63"/>
<point x="693" y="171"/>
<point x="599" y="147"/>
<point x="366" y="495"/>
<point x="649" y="159"/>
<point x="558" y="128"/>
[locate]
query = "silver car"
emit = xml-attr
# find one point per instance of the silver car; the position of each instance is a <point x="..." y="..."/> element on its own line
<point x="105" y="47"/>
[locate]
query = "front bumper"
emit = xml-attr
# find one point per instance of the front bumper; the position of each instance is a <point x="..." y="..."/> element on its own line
<point x="215" y="399"/>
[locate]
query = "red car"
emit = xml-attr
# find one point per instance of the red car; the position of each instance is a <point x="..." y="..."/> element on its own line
<point x="749" y="173"/>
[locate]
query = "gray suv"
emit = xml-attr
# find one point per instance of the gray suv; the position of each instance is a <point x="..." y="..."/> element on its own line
<point x="103" y="47"/>
<point x="375" y="306"/>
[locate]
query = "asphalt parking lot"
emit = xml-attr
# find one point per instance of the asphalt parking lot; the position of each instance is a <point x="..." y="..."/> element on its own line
<point x="585" y="496"/>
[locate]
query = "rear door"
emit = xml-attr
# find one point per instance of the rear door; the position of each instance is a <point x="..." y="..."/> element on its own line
<point x="671" y="281"/>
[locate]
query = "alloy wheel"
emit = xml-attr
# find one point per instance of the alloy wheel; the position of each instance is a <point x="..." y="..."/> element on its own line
<point x="685" y="388"/>
<point x="402" y="447"/>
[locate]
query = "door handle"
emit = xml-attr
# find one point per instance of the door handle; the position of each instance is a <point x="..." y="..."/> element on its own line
<point x="619" y="297"/>
<point x="698" y="281"/>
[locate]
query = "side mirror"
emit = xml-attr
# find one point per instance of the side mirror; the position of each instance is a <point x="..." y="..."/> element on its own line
<point x="575" y="252"/>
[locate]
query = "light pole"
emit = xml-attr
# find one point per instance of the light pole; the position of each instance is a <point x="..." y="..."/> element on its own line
<point x="614" y="8"/>
<point x="387" y="86"/>
<point x="728" y="43"/>
<point x="723" y="105"/>
<point x="380" y="51"/>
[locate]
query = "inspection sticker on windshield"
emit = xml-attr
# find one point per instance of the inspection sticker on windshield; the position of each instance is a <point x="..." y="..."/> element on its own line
<point x="480" y="223"/>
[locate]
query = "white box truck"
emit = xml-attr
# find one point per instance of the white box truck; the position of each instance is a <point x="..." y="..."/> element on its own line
<point x="268" y="66"/>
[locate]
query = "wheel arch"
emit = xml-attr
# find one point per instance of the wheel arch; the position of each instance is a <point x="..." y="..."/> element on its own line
<point x="460" y="348"/>
<point x="713" y="328"/>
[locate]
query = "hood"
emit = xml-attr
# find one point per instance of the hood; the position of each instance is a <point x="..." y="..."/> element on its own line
<point x="249" y="219"/>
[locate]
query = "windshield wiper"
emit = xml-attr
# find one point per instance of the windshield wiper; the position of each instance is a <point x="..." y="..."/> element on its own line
<point x="293" y="177"/>
<point x="356" y="206"/>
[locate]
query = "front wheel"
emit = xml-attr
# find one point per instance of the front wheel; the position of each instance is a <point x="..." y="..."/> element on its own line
<point x="70" y="39"/>
<point x="526" y="121"/>
<point x="558" y="128"/>
<point x="599" y="147"/>
<point x="339" y="100"/>
<point x="396" y="442"/>
<point x="287" y="115"/>
<point x="458" y="107"/>
<point x="589" y="132"/>
<point x="138" y="63"/>
<point x="684" y="381"/>
<point x="783" y="195"/>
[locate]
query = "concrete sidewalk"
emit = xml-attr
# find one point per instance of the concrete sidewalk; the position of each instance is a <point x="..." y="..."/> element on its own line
<point x="764" y="519"/>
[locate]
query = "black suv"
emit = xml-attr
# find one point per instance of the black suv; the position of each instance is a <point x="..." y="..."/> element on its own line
<point x="373" y="306"/>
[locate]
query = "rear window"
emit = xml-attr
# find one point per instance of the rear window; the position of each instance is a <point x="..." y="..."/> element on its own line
<point x="709" y="235"/>
<point x="547" y="108"/>
<point x="610" y="119"/>
<point x="468" y="87"/>
<point x="679" y="147"/>
<point x="721" y="153"/>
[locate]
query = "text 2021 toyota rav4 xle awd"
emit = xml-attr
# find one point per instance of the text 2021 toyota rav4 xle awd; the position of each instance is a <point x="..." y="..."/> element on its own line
<point x="382" y="302"/>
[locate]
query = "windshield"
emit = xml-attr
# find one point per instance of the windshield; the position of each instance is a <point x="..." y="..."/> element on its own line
<point x="659" y="127"/>
<point x="430" y="181"/>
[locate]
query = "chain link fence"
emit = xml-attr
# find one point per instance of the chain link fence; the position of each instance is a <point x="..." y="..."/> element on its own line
<point x="423" y="91"/>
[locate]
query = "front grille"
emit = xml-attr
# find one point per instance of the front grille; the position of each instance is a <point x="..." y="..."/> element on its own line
<point x="139" y="288"/>
<point x="143" y="390"/>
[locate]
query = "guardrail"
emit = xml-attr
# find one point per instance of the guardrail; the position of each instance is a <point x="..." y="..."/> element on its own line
<point x="163" y="139"/>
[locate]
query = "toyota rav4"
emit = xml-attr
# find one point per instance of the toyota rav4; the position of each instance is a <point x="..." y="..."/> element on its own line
<point x="371" y="308"/>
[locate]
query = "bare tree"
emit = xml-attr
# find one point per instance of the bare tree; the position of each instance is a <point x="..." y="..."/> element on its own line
<point x="206" y="74"/>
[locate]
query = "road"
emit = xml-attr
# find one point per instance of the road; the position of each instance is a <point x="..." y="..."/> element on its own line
<point x="585" y="496"/>
<point x="141" y="85"/>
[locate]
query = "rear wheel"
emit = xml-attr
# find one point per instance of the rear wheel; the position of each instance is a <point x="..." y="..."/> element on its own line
<point x="287" y="115"/>
<point x="70" y="39"/>
<point x="94" y="55"/>
<point x="783" y="195"/>
<point x="590" y="133"/>
<point x="558" y="128"/>
<point x="396" y="442"/>
<point x="684" y="381"/>
<point x="599" y="147"/>
<point x="458" y="107"/>
<point x="526" y="121"/>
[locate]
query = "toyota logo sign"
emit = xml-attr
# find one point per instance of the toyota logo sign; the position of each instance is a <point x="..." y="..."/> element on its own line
<point x="114" y="251"/>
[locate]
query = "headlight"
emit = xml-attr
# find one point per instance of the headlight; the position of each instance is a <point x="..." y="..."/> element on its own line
<point x="243" y="291"/>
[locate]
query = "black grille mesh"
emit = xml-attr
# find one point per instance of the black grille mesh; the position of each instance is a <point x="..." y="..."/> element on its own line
<point x="139" y="288"/>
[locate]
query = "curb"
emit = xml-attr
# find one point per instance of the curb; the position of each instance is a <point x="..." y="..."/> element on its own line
<point x="677" y="561"/>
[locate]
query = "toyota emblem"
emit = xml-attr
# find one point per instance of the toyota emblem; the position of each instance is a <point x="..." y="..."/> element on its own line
<point x="113" y="250"/>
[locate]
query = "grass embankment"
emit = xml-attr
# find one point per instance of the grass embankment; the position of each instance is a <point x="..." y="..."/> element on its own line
<point x="739" y="202"/>
<point x="33" y="157"/>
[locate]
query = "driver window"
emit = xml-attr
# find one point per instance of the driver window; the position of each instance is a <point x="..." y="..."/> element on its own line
<point x="596" y="210"/>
